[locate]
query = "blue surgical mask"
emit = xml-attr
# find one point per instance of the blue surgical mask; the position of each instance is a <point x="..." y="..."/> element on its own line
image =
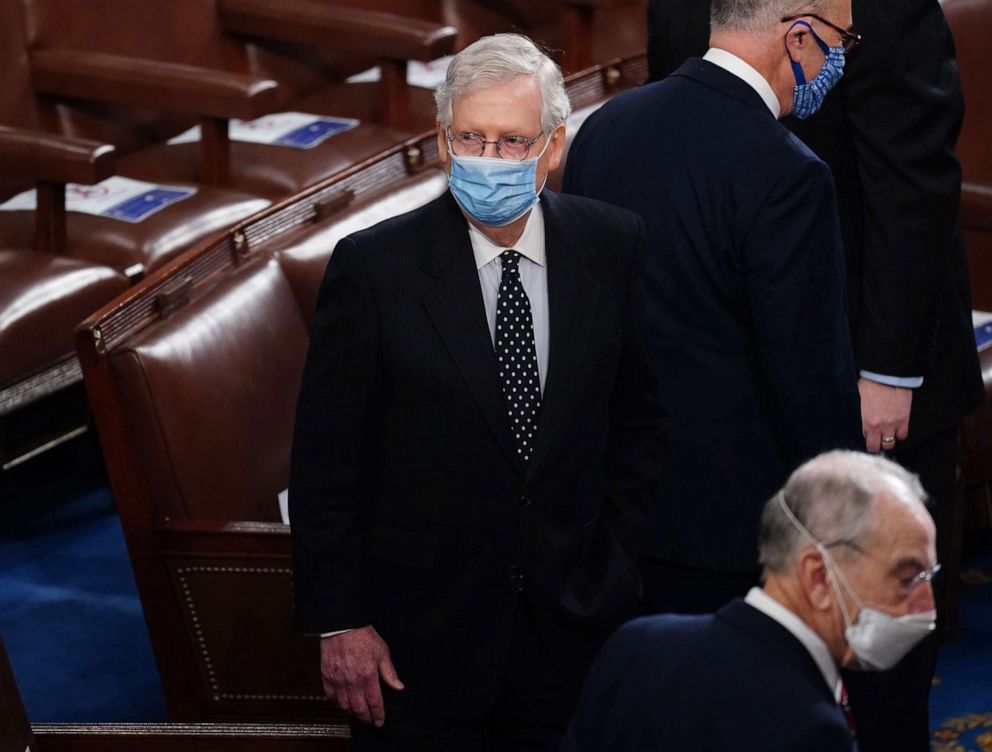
<point x="807" y="97"/>
<point x="493" y="191"/>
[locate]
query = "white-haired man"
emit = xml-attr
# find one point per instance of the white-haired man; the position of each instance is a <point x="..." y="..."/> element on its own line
<point x="848" y="550"/>
<point x="476" y="442"/>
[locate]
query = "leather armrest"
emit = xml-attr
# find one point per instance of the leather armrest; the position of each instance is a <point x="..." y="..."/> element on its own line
<point x="976" y="205"/>
<point x="234" y="538"/>
<point x="32" y="156"/>
<point x="152" y="84"/>
<point x="320" y="24"/>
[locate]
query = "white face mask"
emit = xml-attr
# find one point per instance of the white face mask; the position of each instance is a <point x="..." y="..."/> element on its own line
<point x="877" y="639"/>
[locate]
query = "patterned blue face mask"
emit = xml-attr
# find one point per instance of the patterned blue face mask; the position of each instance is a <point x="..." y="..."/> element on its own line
<point x="493" y="191"/>
<point x="807" y="97"/>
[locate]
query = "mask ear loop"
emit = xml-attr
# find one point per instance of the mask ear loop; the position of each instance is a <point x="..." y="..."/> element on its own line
<point x="833" y="571"/>
<point x="797" y="69"/>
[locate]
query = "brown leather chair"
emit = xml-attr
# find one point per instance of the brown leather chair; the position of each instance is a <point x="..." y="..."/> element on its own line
<point x="971" y="24"/>
<point x="42" y="298"/>
<point x="193" y="375"/>
<point x="19" y="736"/>
<point x="579" y="34"/>
<point x="180" y="57"/>
<point x="30" y="152"/>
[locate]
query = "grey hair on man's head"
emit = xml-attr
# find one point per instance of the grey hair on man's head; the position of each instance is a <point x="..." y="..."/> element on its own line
<point x="498" y="59"/>
<point x="757" y="15"/>
<point x="833" y="497"/>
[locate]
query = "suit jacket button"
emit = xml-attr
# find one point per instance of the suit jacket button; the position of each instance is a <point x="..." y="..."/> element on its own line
<point x="525" y="500"/>
<point x="516" y="577"/>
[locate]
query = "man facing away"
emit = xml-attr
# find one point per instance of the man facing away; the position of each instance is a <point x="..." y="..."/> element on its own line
<point x="477" y="439"/>
<point x="746" y="318"/>
<point x="848" y="550"/>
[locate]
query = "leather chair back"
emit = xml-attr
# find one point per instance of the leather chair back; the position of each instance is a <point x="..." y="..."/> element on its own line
<point x="184" y="31"/>
<point x="971" y="25"/>
<point x="210" y="396"/>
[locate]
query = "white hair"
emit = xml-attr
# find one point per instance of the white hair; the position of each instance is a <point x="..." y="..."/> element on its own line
<point x="833" y="496"/>
<point x="757" y="15"/>
<point x="498" y="59"/>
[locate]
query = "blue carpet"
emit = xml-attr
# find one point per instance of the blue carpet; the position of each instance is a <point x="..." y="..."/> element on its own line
<point x="961" y="699"/>
<point x="70" y="615"/>
<point x="69" y="610"/>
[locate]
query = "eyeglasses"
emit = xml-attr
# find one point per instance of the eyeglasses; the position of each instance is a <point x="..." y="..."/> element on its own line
<point x="908" y="583"/>
<point x="849" y="40"/>
<point x="468" y="144"/>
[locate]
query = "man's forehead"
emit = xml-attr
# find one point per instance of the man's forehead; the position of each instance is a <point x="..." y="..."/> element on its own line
<point x="904" y="529"/>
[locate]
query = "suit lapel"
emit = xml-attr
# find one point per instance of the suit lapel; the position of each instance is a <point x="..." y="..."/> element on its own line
<point x="572" y="294"/>
<point x="456" y="308"/>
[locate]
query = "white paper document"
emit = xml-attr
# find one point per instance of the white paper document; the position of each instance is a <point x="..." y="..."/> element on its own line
<point x="298" y="130"/>
<point x="284" y="506"/>
<point x="116" y="198"/>
<point x="425" y="75"/>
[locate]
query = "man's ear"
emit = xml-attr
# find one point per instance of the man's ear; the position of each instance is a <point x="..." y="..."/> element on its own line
<point x="442" y="145"/>
<point x="814" y="578"/>
<point x="557" y="147"/>
<point x="797" y="40"/>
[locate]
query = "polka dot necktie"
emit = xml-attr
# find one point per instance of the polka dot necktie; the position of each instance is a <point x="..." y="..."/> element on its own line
<point x="517" y="355"/>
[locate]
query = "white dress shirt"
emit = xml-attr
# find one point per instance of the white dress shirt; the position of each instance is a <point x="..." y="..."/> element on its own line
<point x="533" y="276"/>
<point x="733" y="64"/>
<point x="759" y="599"/>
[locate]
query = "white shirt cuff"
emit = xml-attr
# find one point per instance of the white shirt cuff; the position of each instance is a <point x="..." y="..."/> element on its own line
<point x="906" y="382"/>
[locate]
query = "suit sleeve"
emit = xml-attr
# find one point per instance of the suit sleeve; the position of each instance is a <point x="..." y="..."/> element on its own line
<point x="903" y="101"/>
<point x="334" y="415"/>
<point x="638" y="423"/>
<point x="794" y="270"/>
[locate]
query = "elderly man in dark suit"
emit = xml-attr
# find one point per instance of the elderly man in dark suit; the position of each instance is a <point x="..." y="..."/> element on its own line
<point x="888" y="135"/>
<point x="848" y="550"/>
<point x="746" y="315"/>
<point x="477" y="440"/>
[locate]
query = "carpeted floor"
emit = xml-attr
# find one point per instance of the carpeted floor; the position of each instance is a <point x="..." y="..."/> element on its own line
<point x="73" y="626"/>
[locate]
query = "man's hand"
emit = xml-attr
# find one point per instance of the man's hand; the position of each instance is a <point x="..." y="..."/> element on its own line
<point x="884" y="414"/>
<point x="351" y="664"/>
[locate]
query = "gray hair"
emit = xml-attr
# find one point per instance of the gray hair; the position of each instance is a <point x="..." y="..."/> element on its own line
<point x="500" y="58"/>
<point x="757" y="15"/>
<point x="833" y="496"/>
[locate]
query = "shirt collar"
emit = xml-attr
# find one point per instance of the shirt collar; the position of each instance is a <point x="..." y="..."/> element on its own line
<point x="733" y="64"/>
<point x="530" y="244"/>
<point x="759" y="599"/>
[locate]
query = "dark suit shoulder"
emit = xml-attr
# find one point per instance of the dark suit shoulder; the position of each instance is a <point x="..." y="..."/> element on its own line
<point x="607" y="226"/>
<point x="396" y="235"/>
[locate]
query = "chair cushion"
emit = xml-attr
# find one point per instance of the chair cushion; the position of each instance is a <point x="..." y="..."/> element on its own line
<point x="275" y="172"/>
<point x="42" y="298"/>
<point x="151" y="242"/>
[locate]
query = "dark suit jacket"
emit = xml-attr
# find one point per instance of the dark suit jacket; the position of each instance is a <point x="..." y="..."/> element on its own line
<point x="745" y="307"/>
<point x="410" y="507"/>
<point x="888" y="132"/>
<point x="733" y="680"/>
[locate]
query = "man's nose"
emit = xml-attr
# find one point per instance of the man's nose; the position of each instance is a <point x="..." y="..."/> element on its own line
<point x="490" y="149"/>
<point x="922" y="598"/>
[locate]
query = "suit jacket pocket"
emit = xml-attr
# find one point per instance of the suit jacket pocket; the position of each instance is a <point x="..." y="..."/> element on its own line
<point x="599" y="352"/>
<point x="407" y="548"/>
